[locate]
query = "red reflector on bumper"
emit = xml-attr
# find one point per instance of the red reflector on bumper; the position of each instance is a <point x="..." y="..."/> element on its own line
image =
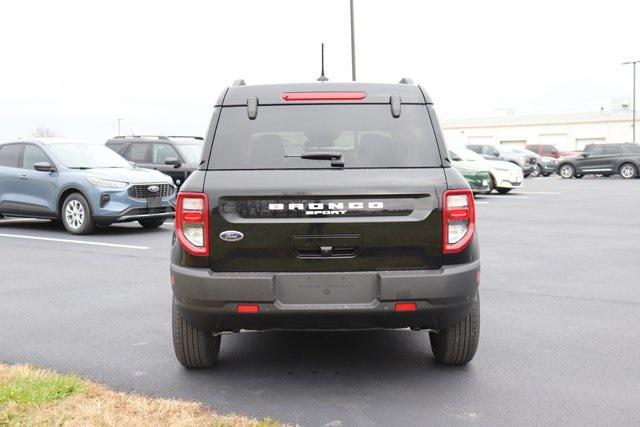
<point x="247" y="308"/>
<point x="406" y="306"/>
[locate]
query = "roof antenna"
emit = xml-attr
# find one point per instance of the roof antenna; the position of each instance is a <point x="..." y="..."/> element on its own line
<point x="322" y="77"/>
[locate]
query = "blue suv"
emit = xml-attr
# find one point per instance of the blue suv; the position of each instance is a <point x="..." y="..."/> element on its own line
<point x="80" y="184"/>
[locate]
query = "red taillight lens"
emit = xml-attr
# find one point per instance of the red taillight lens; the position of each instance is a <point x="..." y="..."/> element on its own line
<point x="458" y="220"/>
<point x="324" y="96"/>
<point x="192" y="223"/>
<point x="406" y="306"/>
<point x="247" y="308"/>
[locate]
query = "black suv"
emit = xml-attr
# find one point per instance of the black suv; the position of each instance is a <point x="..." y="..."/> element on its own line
<point x="176" y="156"/>
<point x="604" y="159"/>
<point x="325" y="206"/>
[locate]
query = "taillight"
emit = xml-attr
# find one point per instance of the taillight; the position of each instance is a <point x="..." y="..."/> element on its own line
<point x="458" y="220"/>
<point x="192" y="223"/>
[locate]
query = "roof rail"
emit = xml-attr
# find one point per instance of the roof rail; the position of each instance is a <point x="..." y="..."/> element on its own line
<point x="160" y="137"/>
<point x="406" y="81"/>
<point x="239" y="82"/>
<point x="185" y="136"/>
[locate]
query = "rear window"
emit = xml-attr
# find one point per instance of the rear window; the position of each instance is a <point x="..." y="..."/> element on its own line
<point x="367" y="136"/>
<point x="632" y="149"/>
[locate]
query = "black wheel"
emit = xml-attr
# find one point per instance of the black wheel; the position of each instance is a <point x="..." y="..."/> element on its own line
<point x="567" y="171"/>
<point x="503" y="190"/>
<point x="151" y="223"/>
<point x="628" y="171"/>
<point x="537" y="171"/>
<point x="458" y="344"/>
<point x="76" y="215"/>
<point x="492" y="184"/>
<point x="194" y="348"/>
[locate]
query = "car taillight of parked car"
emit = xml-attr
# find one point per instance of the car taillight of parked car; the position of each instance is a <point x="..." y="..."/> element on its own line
<point x="192" y="223"/>
<point x="458" y="220"/>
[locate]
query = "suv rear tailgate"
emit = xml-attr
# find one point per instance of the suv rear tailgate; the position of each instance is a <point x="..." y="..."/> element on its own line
<point x="335" y="220"/>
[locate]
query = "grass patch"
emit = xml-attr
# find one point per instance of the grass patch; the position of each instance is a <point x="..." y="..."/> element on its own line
<point x="24" y="389"/>
<point x="33" y="396"/>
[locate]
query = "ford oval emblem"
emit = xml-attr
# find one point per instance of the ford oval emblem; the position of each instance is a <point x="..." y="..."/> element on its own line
<point x="231" y="236"/>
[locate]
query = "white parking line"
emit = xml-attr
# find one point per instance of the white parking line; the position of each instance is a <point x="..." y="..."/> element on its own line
<point x="509" y="197"/>
<point x="80" y="242"/>
<point x="552" y="193"/>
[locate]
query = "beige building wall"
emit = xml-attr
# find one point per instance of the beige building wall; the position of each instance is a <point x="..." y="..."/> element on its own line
<point x="565" y="131"/>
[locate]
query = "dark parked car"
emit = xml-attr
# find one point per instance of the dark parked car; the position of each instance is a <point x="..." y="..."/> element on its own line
<point x="81" y="184"/>
<point x="603" y="159"/>
<point x="325" y="206"/>
<point x="176" y="156"/>
<point x="545" y="166"/>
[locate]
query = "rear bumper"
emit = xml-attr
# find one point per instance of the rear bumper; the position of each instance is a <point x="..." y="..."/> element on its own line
<point x="325" y="300"/>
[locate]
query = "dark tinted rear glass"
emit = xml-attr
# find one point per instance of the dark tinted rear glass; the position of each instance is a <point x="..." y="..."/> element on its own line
<point x="10" y="155"/>
<point x="118" y="147"/>
<point x="632" y="149"/>
<point x="367" y="136"/>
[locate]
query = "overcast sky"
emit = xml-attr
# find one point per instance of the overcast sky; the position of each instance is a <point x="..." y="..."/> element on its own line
<point x="76" y="67"/>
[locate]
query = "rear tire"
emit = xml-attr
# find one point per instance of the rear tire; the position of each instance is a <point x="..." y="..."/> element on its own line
<point x="628" y="171"/>
<point x="76" y="215"/>
<point x="195" y="349"/>
<point x="503" y="190"/>
<point x="458" y="344"/>
<point x="567" y="171"/>
<point x="151" y="223"/>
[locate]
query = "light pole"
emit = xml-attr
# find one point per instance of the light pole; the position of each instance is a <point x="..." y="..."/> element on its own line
<point x="119" y="120"/>
<point x="353" y="44"/>
<point x="633" y="126"/>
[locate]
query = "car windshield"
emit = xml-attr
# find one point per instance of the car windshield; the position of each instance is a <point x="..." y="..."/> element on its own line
<point x="87" y="156"/>
<point x="467" y="155"/>
<point x="317" y="136"/>
<point x="192" y="153"/>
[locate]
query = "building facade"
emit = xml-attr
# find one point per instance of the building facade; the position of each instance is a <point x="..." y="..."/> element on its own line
<point x="568" y="132"/>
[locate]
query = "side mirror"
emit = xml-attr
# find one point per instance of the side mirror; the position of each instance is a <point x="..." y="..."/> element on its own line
<point x="44" y="167"/>
<point x="496" y="154"/>
<point x="584" y="155"/>
<point x="172" y="161"/>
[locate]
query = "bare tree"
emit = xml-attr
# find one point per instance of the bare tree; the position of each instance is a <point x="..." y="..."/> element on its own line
<point x="43" y="132"/>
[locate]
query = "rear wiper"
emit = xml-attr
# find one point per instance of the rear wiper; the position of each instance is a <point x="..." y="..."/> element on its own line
<point x="321" y="155"/>
<point x="334" y="156"/>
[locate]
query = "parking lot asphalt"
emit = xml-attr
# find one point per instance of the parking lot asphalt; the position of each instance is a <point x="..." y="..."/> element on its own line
<point x="559" y="341"/>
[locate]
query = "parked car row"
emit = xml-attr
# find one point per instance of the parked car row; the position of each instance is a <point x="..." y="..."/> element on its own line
<point x="484" y="176"/>
<point x="84" y="185"/>
<point x="544" y="160"/>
